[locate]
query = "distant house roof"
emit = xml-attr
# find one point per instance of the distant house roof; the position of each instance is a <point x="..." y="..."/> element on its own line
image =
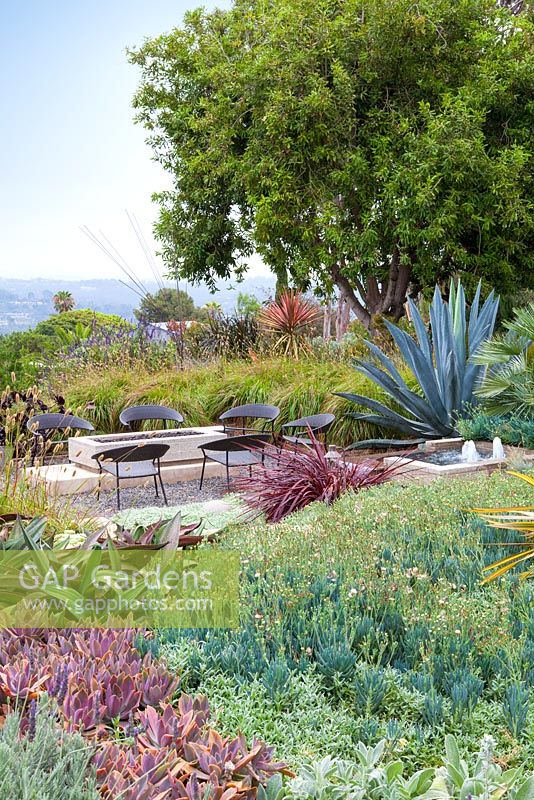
<point x="160" y="332"/>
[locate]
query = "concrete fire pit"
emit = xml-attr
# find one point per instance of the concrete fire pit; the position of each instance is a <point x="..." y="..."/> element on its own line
<point x="182" y="462"/>
<point x="183" y="444"/>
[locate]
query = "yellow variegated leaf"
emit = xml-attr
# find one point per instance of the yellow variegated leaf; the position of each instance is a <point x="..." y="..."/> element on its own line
<point x="526" y="478"/>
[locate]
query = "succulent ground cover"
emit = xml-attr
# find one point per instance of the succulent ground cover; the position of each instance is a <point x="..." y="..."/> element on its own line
<point x="144" y="748"/>
<point x="366" y="620"/>
<point x="362" y="622"/>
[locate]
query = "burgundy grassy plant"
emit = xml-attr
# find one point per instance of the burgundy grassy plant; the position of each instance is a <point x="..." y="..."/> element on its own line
<point x="292" y="479"/>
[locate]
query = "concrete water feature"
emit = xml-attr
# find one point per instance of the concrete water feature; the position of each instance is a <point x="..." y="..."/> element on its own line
<point x="182" y="462"/>
<point x="440" y="458"/>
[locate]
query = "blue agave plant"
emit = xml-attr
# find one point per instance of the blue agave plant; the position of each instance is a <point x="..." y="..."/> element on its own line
<point x="440" y="362"/>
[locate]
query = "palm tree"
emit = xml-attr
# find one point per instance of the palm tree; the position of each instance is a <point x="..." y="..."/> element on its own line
<point x="63" y="301"/>
<point x="508" y="386"/>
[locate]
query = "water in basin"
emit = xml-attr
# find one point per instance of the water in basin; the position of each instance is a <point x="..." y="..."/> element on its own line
<point x="445" y="457"/>
<point x="467" y="455"/>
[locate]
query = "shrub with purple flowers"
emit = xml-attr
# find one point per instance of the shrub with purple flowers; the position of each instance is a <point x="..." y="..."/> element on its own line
<point x="142" y="345"/>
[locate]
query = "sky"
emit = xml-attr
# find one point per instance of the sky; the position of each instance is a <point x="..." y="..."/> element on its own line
<point x="70" y="153"/>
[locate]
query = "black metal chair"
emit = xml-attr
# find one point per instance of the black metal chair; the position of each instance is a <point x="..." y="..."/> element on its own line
<point x="44" y="426"/>
<point x="294" y="432"/>
<point x="252" y="411"/>
<point x="129" y="416"/>
<point x="133" y="461"/>
<point x="235" y="451"/>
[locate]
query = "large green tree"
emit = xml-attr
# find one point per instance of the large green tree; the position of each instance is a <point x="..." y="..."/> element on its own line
<point x="373" y="145"/>
<point x="166" y="304"/>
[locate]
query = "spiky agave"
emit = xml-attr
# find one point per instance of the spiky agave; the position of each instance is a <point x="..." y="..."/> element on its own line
<point x="440" y="362"/>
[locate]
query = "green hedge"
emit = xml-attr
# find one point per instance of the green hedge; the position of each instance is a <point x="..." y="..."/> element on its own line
<point x="203" y="393"/>
<point x="68" y="320"/>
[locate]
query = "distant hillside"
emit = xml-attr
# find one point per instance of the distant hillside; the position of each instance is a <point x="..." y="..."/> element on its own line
<point x="23" y="303"/>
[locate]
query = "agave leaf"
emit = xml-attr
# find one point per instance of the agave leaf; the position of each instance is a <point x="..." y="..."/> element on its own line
<point x="474" y="314"/>
<point x="422" y="370"/>
<point x="407" y="426"/>
<point x="409" y="400"/>
<point x="451" y="387"/>
<point x="365" y="444"/>
<point x="386" y="362"/>
<point x="441" y="343"/>
<point x="420" y="330"/>
<point x="457" y="306"/>
<point x="383" y="410"/>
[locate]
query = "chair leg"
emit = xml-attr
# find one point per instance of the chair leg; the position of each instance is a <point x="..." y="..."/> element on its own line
<point x="162" y="489"/>
<point x="118" y="495"/>
<point x="227" y="473"/>
<point x="156" y="485"/>
<point x="202" y="473"/>
<point x="99" y="483"/>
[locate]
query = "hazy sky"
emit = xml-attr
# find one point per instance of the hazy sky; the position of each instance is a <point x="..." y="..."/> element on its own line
<point x="70" y="154"/>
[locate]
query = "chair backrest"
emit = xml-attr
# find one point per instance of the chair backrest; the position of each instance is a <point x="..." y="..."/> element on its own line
<point x="40" y="423"/>
<point x="131" y="453"/>
<point x="233" y="443"/>
<point x="317" y="422"/>
<point x="140" y="413"/>
<point x="251" y="411"/>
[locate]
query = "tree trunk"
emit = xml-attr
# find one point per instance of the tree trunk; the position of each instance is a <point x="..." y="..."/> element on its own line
<point x="368" y="297"/>
<point x="327" y="320"/>
<point x="342" y="317"/>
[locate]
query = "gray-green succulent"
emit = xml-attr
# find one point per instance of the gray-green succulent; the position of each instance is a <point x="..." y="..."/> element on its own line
<point x="441" y="361"/>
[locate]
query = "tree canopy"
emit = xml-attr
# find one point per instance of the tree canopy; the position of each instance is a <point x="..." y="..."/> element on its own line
<point x="166" y="304"/>
<point x="379" y="146"/>
<point x="247" y="304"/>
